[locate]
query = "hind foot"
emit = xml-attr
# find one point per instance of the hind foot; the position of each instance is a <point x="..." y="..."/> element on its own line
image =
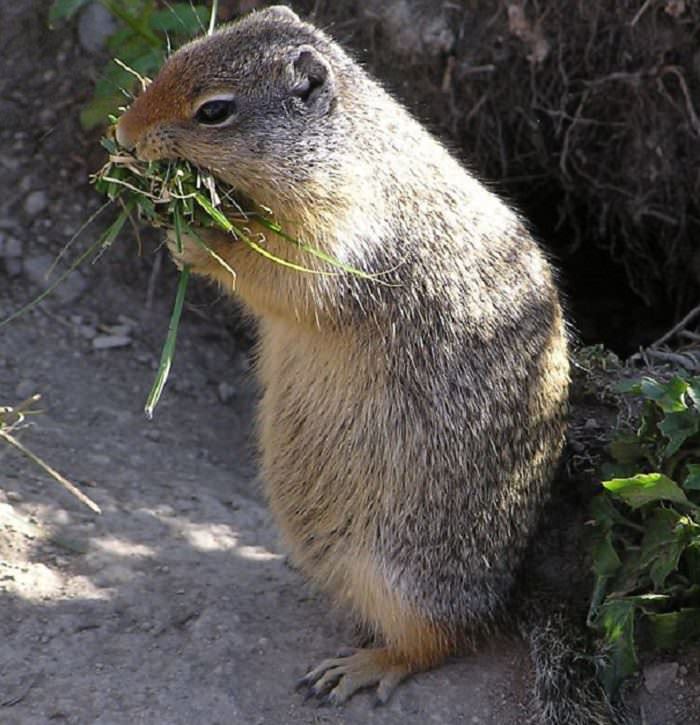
<point x="335" y="680"/>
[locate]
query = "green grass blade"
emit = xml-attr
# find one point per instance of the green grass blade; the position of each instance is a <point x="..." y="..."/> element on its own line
<point x="116" y="226"/>
<point x="274" y="227"/>
<point x="279" y="260"/>
<point x="212" y="17"/>
<point x="214" y="213"/>
<point x="226" y="225"/>
<point x="177" y="216"/>
<point x="218" y="258"/>
<point x="132" y="22"/>
<point x="166" y="357"/>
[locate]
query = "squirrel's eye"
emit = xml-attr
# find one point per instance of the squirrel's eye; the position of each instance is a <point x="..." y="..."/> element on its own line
<point x="212" y="113"/>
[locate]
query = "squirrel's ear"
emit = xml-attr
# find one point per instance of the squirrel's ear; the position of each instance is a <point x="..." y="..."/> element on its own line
<point x="313" y="76"/>
<point x="282" y="12"/>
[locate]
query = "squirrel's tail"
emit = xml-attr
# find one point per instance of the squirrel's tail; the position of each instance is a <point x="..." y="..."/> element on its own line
<point x="566" y="691"/>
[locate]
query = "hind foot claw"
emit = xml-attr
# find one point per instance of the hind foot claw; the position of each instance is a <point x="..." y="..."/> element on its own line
<point x="335" y="680"/>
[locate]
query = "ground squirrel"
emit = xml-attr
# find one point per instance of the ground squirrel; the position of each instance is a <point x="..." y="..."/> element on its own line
<point x="411" y="419"/>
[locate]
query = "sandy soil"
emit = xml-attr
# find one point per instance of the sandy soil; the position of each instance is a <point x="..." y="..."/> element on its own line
<point x="176" y="602"/>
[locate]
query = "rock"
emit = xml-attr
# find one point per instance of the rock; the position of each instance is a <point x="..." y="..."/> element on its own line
<point x="119" y="330"/>
<point x="70" y="289"/>
<point x="12" y="247"/>
<point x="10" y="163"/>
<point x="226" y="392"/>
<point x="95" y="25"/>
<point x="108" y="342"/>
<point x="99" y="459"/>
<point x="35" y="202"/>
<point x="659" y="676"/>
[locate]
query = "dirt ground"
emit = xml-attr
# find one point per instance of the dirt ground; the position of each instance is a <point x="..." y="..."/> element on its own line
<point x="176" y="604"/>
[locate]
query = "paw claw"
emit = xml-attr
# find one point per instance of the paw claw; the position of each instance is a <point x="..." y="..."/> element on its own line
<point x="301" y="683"/>
<point x="334" y="681"/>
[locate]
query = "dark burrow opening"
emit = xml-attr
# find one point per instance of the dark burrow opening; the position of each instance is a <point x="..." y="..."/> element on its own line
<point x="600" y="298"/>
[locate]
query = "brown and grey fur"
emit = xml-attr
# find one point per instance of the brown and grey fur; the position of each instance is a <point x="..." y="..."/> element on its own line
<point x="411" y="422"/>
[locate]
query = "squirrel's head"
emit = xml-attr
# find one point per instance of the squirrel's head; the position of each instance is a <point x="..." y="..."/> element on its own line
<point x="256" y="103"/>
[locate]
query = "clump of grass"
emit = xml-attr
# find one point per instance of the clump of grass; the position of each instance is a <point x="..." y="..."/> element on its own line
<point x="179" y="196"/>
<point x="13" y="417"/>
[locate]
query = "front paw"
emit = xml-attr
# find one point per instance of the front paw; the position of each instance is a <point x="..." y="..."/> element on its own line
<point x="192" y="250"/>
<point x="186" y="249"/>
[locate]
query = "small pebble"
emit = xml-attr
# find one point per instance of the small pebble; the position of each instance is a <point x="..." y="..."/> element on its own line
<point x="119" y="330"/>
<point x="99" y="459"/>
<point x="36" y="202"/>
<point x="108" y="342"/>
<point x="130" y="321"/>
<point x="13" y="247"/>
<point x="226" y="392"/>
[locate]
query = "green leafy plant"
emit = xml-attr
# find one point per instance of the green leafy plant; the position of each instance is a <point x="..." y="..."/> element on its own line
<point x="646" y="543"/>
<point x="146" y="31"/>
